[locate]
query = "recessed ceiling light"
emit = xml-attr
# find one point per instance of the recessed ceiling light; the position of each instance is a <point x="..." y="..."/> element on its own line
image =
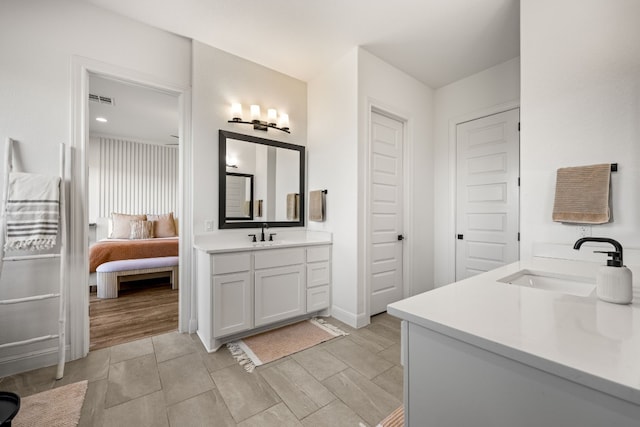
<point x="101" y="119"/>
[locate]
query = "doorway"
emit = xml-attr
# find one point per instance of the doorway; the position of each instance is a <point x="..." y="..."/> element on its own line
<point x="487" y="193"/>
<point x="386" y="212"/>
<point x="79" y="229"/>
<point x="133" y="162"/>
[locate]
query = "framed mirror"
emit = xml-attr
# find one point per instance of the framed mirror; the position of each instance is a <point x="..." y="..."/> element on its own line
<point x="260" y="181"/>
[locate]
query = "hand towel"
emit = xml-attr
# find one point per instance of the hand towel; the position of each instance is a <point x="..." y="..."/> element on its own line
<point x="293" y="200"/>
<point x="316" y="205"/>
<point x="582" y="194"/>
<point x="32" y="212"/>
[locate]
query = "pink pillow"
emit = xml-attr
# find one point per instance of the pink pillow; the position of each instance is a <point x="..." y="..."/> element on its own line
<point x="122" y="225"/>
<point x="163" y="225"/>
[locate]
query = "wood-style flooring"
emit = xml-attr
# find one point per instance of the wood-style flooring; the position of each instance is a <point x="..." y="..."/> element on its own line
<point x="142" y="309"/>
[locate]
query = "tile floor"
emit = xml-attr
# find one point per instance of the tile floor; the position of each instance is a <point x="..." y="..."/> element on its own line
<point x="170" y="380"/>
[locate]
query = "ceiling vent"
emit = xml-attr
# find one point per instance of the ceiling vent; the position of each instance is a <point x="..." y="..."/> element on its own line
<point x="101" y="99"/>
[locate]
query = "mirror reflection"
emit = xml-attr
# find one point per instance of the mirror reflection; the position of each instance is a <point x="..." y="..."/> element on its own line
<point x="261" y="181"/>
<point x="239" y="196"/>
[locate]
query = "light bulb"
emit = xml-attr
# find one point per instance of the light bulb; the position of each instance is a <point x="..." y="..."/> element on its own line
<point x="236" y="111"/>
<point x="272" y="116"/>
<point x="284" y="121"/>
<point x="255" y="113"/>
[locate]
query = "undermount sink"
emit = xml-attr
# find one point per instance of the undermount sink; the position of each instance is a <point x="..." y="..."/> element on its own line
<point x="268" y="243"/>
<point x="572" y="285"/>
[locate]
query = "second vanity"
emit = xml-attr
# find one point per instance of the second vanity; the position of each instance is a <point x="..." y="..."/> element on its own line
<point x="245" y="287"/>
<point x="526" y="345"/>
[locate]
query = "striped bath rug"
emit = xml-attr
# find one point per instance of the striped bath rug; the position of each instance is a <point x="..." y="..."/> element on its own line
<point x="272" y="345"/>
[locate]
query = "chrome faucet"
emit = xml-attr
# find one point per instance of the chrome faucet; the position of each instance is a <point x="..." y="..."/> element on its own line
<point x="264" y="225"/>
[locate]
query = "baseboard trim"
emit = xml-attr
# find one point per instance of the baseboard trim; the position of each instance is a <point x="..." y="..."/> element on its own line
<point x="344" y="316"/>
<point x="351" y="319"/>
<point x="24" y="362"/>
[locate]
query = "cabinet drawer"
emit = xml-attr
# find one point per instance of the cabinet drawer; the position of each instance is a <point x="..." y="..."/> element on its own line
<point x="318" y="253"/>
<point x="318" y="274"/>
<point x="278" y="257"/>
<point x="230" y="263"/>
<point x="317" y="298"/>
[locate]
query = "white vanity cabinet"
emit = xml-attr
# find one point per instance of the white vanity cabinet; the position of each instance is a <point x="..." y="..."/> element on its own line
<point x="241" y="292"/>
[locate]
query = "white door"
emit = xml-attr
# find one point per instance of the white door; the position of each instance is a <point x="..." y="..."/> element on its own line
<point x="488" y="170"/>
<point x="385" y="230"/>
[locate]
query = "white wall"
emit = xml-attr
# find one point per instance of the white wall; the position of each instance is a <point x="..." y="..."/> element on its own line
<point x="333" y="165"/>
<point x="580" y="106"/>
<point x="38" y="39"/>
<point x="483" y="93"/>
<point x="132" y="177"/>
<point x="340" y="100"/>
<point x="220" y="79"/>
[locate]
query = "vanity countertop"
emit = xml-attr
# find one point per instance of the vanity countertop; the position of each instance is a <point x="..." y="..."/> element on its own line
<point x="582" y="339"/>
<point x="237" y="242"/>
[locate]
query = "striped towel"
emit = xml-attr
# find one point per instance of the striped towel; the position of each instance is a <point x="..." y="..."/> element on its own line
<point x="32" y="212"/>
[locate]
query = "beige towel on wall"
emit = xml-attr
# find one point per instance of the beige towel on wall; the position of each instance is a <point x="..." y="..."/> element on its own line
<point x="582" y="194"/>
<point x="293" y="200"/>
<point x="316" y="205"/>
<point x="257" y="208"/>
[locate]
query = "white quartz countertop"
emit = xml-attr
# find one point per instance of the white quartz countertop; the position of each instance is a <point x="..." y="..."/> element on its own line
<point x="582" y="339"/>
<point x="235" y="241"/>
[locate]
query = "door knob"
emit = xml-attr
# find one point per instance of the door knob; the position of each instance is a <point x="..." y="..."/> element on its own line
<point x="400" y="237"/>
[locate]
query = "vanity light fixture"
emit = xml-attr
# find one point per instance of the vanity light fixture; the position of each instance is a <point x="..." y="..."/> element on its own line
<point x="256" y="118"/>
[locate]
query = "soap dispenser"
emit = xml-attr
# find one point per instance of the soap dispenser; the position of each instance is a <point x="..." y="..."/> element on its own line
<point x="614" y="280"/>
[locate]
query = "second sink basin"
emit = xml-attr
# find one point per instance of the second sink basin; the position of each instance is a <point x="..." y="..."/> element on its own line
<point x="572" y="285"/>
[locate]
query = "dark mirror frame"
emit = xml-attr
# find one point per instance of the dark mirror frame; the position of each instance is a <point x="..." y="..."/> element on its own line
<point x="223" y="135"/>
<point x="243" y="175"/>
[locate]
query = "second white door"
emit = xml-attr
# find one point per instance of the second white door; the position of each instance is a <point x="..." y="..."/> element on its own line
<point x="488" y="203"/>
<point x="386" y="281"/>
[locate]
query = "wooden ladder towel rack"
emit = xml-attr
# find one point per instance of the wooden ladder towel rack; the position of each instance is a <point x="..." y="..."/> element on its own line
<point x="61" y="294"/>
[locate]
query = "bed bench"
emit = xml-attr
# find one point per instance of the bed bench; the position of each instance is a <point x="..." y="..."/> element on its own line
<point x="111" y="274"/>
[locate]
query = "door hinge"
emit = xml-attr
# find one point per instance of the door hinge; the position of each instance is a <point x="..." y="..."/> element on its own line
<point x="518" y="181"/>
<point x="518" y="126"/>
<point x="518" y="236"/>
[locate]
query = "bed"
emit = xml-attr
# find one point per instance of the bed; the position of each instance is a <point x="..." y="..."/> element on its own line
<point x="107" y="249"/>
<point x="117" y="249"/>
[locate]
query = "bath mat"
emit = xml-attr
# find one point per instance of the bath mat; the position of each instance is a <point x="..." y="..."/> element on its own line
<point x="58" y="407"/>
<point x="272" y="345"/>
<point x="394" y="419"/>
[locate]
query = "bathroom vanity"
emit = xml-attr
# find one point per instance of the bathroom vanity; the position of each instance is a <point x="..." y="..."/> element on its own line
<point x="525" y="345"/>
<point x="245" y="287"/>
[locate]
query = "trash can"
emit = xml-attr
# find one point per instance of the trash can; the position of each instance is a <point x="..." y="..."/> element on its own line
<point x="9" y="407"/>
